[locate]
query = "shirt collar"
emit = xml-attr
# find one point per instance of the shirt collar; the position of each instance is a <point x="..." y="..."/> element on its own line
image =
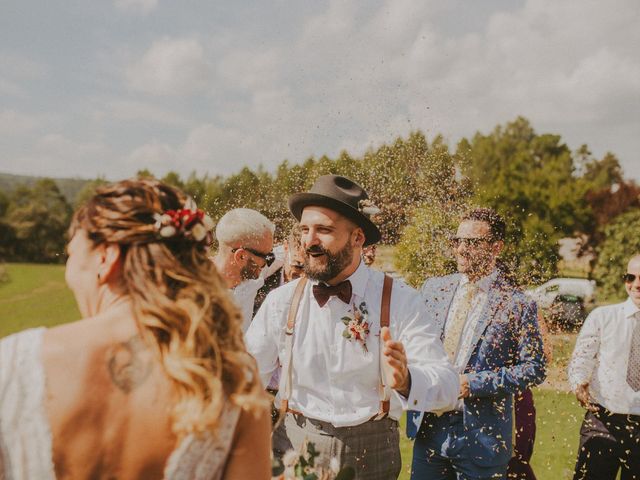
<point x="630" y="308"/>
<point x="359" y="279"/>
<point x="484" y="284"/>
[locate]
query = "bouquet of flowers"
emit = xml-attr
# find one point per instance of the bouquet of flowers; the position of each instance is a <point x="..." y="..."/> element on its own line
<point x="301" y="466"/>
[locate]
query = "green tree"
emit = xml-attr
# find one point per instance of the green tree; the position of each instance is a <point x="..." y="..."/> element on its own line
<point x="621" y="241"/>
<point x="40" y="217"/>
<point x="530" y="180"/>
<point x="424" y="250"/>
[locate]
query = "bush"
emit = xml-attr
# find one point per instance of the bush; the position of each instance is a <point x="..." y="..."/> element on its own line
<point x="423" y="250"/>
<point x="621" y="241"/>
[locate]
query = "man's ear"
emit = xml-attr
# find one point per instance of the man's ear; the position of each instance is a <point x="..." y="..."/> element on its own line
<point x="110" y="262"/>
<point x="238" y="256"/>
<point x="359" y="237"/>
<point x="498" y="247"/>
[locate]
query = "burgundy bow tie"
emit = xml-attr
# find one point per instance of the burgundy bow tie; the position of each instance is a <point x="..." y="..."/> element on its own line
<point x="323" y="292"/>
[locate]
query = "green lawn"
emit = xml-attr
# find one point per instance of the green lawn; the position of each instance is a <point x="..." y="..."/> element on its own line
<point x="34" y="295"/>
<point x="37" y="295"/>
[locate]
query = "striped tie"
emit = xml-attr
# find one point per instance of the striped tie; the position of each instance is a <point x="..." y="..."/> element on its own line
<point x="633" y="370"/>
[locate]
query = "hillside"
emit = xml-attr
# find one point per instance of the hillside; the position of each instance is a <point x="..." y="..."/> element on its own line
<point x="68" y="186"/>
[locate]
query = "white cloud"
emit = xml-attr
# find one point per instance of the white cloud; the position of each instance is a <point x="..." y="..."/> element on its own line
<point x="136" y="6"/>
<point x="158" y="157"/>
<point x="16" y="123"/>
<point x="55" y="155"/>
<point x="132" y="111"/>
<point x="172" y="66"/>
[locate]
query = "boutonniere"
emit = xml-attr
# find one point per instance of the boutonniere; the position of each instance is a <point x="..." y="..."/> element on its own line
<point x="357" y="328"/>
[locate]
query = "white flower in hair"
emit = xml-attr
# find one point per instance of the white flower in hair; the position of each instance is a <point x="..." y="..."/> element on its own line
<point x="168" y="231"/>
<point x="199" y="232"/>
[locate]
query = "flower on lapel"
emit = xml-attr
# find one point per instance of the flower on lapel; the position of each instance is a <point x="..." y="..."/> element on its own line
<point x="357" y="328"/>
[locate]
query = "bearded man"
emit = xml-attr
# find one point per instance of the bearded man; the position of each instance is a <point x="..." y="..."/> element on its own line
<point x="355" y="347"/>
<point x="245" y="257"/>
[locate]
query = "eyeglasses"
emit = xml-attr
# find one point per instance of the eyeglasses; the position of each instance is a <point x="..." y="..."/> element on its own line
<point x="629" y="277"/>
<point x="469" y="241"/>
<point x="267" y="257"/>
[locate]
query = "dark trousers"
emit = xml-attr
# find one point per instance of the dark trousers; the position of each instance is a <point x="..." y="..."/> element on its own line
<point x="525" y="420"/>
<point x="608" y="442"/>
<point x="440" y="452"/>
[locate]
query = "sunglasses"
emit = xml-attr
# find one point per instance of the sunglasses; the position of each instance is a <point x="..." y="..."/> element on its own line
<point x="469" y="241"/>
<point x="629" y="277"/>
<point x="267" y="257"/>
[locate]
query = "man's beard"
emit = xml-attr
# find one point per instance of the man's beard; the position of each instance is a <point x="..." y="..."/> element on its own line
<point x="336" y="262"/>
<point x="250" y="271"/>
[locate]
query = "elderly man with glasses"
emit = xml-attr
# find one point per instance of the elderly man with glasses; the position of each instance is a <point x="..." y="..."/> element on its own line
<point x="245" y="257"/>
<point x="490" y="332"/>
<point x="605" y="375"/>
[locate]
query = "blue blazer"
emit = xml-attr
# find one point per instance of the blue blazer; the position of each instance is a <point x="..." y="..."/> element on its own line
<point x="507" y="358"/>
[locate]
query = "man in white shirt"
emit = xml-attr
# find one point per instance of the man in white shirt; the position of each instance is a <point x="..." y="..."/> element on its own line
<point x="245" y="243"/>
<point x="605" y="375"/>
<point x="345" y="378"/>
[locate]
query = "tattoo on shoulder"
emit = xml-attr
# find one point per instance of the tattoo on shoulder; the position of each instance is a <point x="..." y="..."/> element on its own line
<point x="129" y="364"/>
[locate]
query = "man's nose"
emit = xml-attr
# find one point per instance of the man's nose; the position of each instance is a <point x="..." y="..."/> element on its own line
<point x="310" y="238"/>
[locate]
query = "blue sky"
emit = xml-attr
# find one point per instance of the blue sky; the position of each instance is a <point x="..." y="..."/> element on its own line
<point x="109" y="87"/>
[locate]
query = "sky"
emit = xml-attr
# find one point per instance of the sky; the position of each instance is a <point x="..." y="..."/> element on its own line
<point x="106" y="88"/>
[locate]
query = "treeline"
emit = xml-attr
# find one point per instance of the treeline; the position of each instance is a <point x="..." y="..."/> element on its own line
<point x="545" y="191"/>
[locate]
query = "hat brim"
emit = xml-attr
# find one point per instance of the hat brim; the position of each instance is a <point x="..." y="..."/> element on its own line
<point x="298" y="201"/>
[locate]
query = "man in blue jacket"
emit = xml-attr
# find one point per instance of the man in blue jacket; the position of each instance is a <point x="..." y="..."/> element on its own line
<point x="490" y="332"/>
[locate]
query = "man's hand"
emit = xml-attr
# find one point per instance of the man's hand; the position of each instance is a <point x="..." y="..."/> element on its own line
<point x="583" y="396"/>
<point x="396" y="363"/>
<point x="465" y="390"/>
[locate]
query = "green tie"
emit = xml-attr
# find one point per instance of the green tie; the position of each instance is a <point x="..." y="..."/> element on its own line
<point x="452" y="338"/>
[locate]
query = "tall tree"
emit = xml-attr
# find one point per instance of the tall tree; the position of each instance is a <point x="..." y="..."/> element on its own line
<point x="40" y="217"/>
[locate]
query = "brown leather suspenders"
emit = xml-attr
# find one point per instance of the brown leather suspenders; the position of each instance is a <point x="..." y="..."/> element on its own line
<point x="286" y="378"/>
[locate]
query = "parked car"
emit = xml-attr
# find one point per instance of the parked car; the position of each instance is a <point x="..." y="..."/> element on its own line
<point x="565" y="301"/>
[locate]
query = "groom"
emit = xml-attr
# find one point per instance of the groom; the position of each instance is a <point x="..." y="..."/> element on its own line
<point x="345" y="375"/>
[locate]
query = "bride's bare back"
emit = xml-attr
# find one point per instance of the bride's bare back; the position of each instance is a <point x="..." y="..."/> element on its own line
<point x="108" y="402"/>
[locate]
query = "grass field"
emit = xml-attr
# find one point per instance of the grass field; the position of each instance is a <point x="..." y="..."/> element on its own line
<point x="37" y="295"/>
<point x="34" y="295"/>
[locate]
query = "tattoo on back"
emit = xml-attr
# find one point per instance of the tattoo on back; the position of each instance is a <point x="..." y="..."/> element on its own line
<point x="128" y="365"/>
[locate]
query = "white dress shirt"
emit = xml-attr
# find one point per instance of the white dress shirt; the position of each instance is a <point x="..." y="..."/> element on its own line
<point x="478" y="303"/>
<point x="335" y="379"/>
<point x="601" y="357"/>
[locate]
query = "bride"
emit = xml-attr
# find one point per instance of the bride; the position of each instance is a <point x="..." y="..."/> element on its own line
<point x="154" y="381"/>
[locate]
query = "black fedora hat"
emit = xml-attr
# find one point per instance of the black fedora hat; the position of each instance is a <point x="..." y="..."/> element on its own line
<point x="343" y="196"/>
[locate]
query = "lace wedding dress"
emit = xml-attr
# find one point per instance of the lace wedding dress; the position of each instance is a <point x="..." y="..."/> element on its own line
<point x="25" y="436"/>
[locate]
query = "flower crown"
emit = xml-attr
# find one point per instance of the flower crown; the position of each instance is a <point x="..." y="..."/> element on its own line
<point x="189" y="222"/>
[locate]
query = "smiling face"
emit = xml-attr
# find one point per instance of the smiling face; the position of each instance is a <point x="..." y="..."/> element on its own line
<point x="253" y="264"/>
<point x="476" y="252"/>
<point x="332" y="244"/>
<point x="633" y="288"/>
